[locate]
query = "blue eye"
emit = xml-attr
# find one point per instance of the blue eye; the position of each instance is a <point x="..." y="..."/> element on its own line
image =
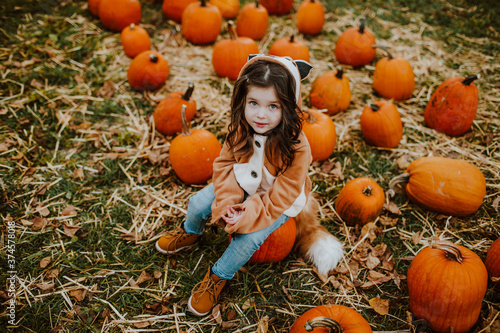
<point x="253" y="103"/>
<point x="273" y="107"/>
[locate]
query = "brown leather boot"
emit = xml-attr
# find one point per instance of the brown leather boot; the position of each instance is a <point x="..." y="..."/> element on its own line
<point x="205" y="294"/>
<point x="175" y="241"/>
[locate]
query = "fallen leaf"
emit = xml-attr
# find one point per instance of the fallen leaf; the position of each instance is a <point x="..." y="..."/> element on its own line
<point x="78" y="294"/>
<point x="380" y="305"/>
<point x="263" y="325"/>
<point x="107" y="90"/>
<point x="496" y="203"/>
<point x="392" y="207"/>
<point x="249" y="303"/>
<point x="388" y="221"/>
<point x="416" y="237"/>
<point x="78" y="173"/>
<point x="106" y="313"/>
<point x="45" y="262"/>
<point x="44" y="211"/>
<point x="70" y="230"/>
<point x="131" y="236"/>
<point x="53" y="273"/>
<point x="372" y="262"/>
<point x="39" y="223"/>
<point x="379" y="249"/>
<point x="144" y="277"/>
<point x="337" y="172"/>
<point x="403" y="162"/>
<point x="69" y="210"/>
<point x="142" y="324"/>
<point x="216" y="314"/>
<point x="369" y="229"/>
<point x="45" y="286"/>
<point x="157" y="274"/>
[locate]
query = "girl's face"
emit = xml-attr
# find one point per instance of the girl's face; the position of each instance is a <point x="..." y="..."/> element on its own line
<point x="262" y="109"/>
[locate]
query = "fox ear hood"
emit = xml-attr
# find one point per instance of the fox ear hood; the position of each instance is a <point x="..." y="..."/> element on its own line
<point x="299" y="69"/>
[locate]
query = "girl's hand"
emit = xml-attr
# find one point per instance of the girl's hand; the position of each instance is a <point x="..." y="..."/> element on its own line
<point x="233" y="216"/>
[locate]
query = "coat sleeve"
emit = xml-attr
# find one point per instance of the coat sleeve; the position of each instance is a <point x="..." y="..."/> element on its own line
<point x="262" y="209"/>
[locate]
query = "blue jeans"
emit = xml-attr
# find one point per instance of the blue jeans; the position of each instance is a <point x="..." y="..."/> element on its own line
<point x="242" y="246"/>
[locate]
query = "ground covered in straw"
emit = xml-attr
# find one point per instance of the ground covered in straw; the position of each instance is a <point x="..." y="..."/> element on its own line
<point x="87" y="184"/>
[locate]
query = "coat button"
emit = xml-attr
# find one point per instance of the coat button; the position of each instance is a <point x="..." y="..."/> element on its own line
<point x="253" y="174"/>
<point x="257" y="143"/>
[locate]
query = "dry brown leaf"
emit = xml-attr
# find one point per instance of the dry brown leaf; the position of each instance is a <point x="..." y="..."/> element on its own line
<point x="372" y="262"/>
<point x="380" y="305"/>
<point x="249" y="303"/>
<point x="53" y="273"/>
<point x="39" y="223"/>
<point x="69" y="210"/>
<point x="78" y="294"/>
<point x="45" y="286"/>
<point x="216" y="314"/>
<point x="107" y="90"/>
<point x="388" y="265"/>
<point x="403" y="162"/>
<point x="370" y="229"/>
<point x="70" y="230"/>
<point x="337" y="172"/>
<point x="416" y="237"/>
<point x="157" y="274"/>
<point x="322" y="277"/>
<point x="45" y="262"/>
<point x="496" y="203"/>
<point x="142" y="324"/>
<point x="263" y="325"/>
<point x="44" y="211"/>
<point x="131" y="236"/>
<point x="78" y="173"/>
<point x="379" y="250"/>
<point x="144" y="277"/>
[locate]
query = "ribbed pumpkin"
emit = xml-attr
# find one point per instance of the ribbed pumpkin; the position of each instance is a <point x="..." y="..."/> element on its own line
<point x="201" y="22"/>
<point x="320" y="131"/>
<point x="167" y="114"/>
<point x="172" y="9"/>
<point x="453" y="106"/>
<point x="94" y="7"/>
<point x="252" y="21"/>
<point x="228" y="8"/>
<point x="354" y="46"/>
<point x="229" y="55"/>
<point x="277" y="7"/>
<point x="310" y="17"/>
<point x="192" y="153"/>
<point x="118" y="14"/>
<point x="331" y="318"/>
<point x="148" y="71"/>
<point x="360" y="201"/>
<point x="381" y="125"/>
<point x="135" y="39"/>
<point x="493" y="262"/>
<point x="277" y="245"/>
<point x="447" y="284"/>
<point x="289" y="46"/>
<point x="445" y="185"/>
<point x="393" y="77"/>
<point x="331" y="91"/>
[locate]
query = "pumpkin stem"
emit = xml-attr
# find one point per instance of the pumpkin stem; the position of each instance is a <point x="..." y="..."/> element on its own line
<point x="400" y="181"/>
<point x="310" y="117"/>
<point x="451" y="250"/>
<point x="257" y="3"/>
<point x="189" y="91"/>
<point x="153" y="58"/>
<point x="292" y="38"/>
<point x="203" y="3"/>
<point x="362" y="26"/>
<point x="469" y="79"/>
<point x="340" y="72"/>
<point x="132" y="26"/>
<point x="374" y="107"/>
<point x="367" y="191"/>
<point x="332" y="325"/>
<point x="185" y="128"/>
<point x="383" y="48"/>
<point x="232" y="32"/>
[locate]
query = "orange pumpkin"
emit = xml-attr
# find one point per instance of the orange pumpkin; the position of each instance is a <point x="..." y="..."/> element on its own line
<point x="447" y="283"/>
<point x="453" y="106"/>
<point x="94" y="7"/>
<point x="289" y="46"/>
<point x="201" y="22"/>
<point x="277" y="7"/>
<point x="148" y="71"/>
<point x="331" y="91"/>
<point x="167" y="114"/>
<point x="277" y="245"/>
<point x="321" y="134"/>
<point x="354" y="46"/>
<point x="393" y="77"/>
<point x="135" y="39"/>
<point x="331" y="318"/>
<point x="360" y="201"/>
<point x="172" y="9"/>
<point x="381" y="125"/>
<point x="118" y="14"/>
<point x="445" y="185"/>
<point x="228" y="8"/>
<point x="229" y="55"/>
<point x="310" y="17"/>
<point x="252" y="21"/>
<point x="192" y="153"/>
<point x="493" y="261"/>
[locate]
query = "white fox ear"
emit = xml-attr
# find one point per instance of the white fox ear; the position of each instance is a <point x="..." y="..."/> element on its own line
<point x="304" y="68"/>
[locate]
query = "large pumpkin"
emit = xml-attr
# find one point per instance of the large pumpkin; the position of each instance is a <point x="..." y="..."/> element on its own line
<point x="252" y="21"/>
<point x="135" y="39"/>
<point x="453" y="106"/>
<point x="229" y="55"/>
<point x="228" y="8"/>
<point x="331" y="318"/>
<point x="277" y="7"/>
<point x="94" y="7"/>
<point x="445" y="185"/>
<point x="446" y="284"/>
<point x="360" y="201"/>
<point x="493" y="262"/>
<point x="201" y="22"/>
<point x="192" y="153"/>
<point x="393" y="77"/>
<point x="173" y="9"/>
<point x="118" y="14"/>
<point x="291" y="47"/>
<point x="354" y="46"/>
<point x="148" y="71"/>
<point x="381" y="124"/>
<point x="331" y="91"/>
<point x="310" y="17"/>
<point x="277" y="245"/>
<point x="321" y="134"/>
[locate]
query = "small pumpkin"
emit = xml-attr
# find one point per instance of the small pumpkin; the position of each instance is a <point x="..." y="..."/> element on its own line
<point x="252" y="21"/>
<point x="331" y="91"/>
<point x="492" y="262"/>
<point x="444" y="185"/>
<point x="94" y="7"/>
<point x="167" y="114"/>
<point x="310" y="17"/>
<point x="381" y="125"/>
<point x="333" y="318"/>
<point x="291" y="47"/>
<point x="277" y="7"/>
<point x="148" y="71"/>
<point x="135" y="39"/>
<point x="446" y="284"/>
<point x="360" y="201"/>
<point x="115" y="15"/>
<point x="172" y="9"/>
<point x="228" y="8"/>
<point x="192" y="153"/>
<point x="354" y="46"/>
<point x="393" y="77"/>
<point x="229" y="55"/>
<point x="201" y="22"/>
<point x="453" y="106"/>
<point x="321" y="134"/>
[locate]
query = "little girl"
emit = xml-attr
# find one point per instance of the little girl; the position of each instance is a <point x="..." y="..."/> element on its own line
<point x="260" y="179"/>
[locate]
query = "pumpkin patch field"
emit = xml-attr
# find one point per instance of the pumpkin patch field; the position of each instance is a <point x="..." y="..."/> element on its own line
<point x="112" y="112"/>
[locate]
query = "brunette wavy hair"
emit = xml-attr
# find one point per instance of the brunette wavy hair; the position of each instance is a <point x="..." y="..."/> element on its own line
<point x="281" y="140"/>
